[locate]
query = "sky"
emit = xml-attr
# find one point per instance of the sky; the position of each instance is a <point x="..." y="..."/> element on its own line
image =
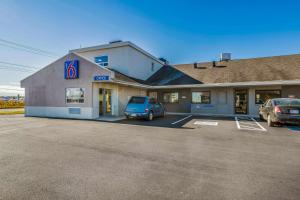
<point x="180" y="31"/>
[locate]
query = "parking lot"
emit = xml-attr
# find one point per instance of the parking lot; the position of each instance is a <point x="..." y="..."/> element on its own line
<point x="176" y="157"/>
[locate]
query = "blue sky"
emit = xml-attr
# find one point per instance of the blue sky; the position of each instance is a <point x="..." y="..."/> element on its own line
<point x="181" y="31"/>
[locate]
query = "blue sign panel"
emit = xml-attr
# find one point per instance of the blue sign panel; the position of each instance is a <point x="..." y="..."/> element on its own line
<point x="71" y="69"/>
<point x="101" y="78"/>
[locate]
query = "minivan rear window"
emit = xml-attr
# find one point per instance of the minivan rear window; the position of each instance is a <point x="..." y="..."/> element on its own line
<point x="137" y="100"/>
<point x="287" y="102"/>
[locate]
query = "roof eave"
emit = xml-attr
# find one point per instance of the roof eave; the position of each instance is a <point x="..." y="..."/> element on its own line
<point x="213" y="85"/>
<point x="236" y="84"/>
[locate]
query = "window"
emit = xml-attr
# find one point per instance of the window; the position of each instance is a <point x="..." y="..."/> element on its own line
<point x="75" y="95"/>
<point x="137" y="100"/>
<point x="287" y="102"/>
<point x="153" y="95"/>
<point x="102" y="60"/>
<point x="201" y="97"/>
<point x="152" y="101"/>
<point x="171" y="97"/>
<point x="261" y="96"/>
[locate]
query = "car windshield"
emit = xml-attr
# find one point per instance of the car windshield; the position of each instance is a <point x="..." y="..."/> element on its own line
<point x="287" y="102"/>
<point x="137" y="100"/>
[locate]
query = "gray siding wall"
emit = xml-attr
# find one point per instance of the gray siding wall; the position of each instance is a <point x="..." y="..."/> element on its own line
<point x="291" y="90"/>
<point x="184" y="100"/>
<point x="222" y="99"/>
<point x="126" y="60"/>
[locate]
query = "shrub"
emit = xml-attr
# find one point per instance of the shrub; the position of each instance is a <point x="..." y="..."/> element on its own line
<point x="11" y="104"/>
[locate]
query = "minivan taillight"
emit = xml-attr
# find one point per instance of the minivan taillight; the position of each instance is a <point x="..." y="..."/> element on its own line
<point x="146" y="110"/>
<point x="277" y="109"/>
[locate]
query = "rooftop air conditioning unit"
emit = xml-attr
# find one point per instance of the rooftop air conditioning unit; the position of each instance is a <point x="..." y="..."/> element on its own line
<point x="225" y="56"/>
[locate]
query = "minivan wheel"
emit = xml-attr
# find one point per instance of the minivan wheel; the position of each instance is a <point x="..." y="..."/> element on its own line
<point x="270" y="123"/>
<point x="150" y="116"/>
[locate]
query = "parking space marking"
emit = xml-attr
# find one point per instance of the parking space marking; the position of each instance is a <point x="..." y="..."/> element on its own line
<point x="258" y="124"/>
<point x="206" y="123"/>
<point x="248" y="123"/>
<point x="181" y="119"/>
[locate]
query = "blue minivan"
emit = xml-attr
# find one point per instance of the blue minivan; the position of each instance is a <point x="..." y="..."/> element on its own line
<point x="144" y="107"/>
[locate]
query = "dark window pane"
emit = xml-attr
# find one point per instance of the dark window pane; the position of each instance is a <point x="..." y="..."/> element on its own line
<point x="261" y="96"/>
<point x="137" y="100"/>
<point x="201" y="97"/>
<point x="171" y="97"/>
<point x="287" y="102"/>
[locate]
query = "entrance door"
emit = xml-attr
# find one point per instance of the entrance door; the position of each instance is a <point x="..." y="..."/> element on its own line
<point x="105" y="102"/>
<point x="241" y="101"/>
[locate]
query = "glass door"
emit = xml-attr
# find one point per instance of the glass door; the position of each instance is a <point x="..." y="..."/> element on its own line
<point x="101" y="101"/>
<point x="241" y="101"/>
<point x="105" y="101"/>
<point x="108" y="101"/>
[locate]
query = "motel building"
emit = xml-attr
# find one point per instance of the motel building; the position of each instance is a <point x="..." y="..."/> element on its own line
<point x="91" y="82"/>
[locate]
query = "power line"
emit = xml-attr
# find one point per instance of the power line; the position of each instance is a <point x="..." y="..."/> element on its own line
<point x="11" y="89"/>
<point x="15" y="69"/>
<point x="26" y="48"/>
<point x="18" y="65"/>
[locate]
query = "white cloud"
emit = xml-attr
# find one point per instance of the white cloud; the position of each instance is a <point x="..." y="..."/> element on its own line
<point x="11" y="90"/>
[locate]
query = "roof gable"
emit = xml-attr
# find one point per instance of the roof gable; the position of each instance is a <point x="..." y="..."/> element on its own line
<point x="168" y="75"/>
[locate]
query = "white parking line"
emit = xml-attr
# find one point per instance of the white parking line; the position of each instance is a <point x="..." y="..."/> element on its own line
<point x="258" y="124"/>
<point x="181" y="119"/>
<point x="249" y="124"/>
<point x="206" y="123"/>
<point x="237" y="123"/>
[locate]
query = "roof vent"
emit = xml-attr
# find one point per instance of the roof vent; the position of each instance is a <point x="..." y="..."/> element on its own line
<point x="165" y="61"/>
<point x="114" y="41"/>
<point x="225" y="56"/>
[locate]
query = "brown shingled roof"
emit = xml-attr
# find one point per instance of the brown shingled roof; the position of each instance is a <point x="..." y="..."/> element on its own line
<point x="244" y="70"/>
<point x="122" y="77"/>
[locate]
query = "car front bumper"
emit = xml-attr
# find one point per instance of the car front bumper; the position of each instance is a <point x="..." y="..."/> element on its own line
<point x="136" y="115"/>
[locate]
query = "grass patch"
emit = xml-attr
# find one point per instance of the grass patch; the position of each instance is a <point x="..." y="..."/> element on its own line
<point x="11" y="112"/>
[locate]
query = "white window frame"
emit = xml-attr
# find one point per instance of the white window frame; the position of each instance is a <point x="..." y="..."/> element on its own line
<point x="66" y="98"/>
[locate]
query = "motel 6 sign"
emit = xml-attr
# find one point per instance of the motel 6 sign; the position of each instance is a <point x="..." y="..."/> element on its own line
<point x="71" y="69"/>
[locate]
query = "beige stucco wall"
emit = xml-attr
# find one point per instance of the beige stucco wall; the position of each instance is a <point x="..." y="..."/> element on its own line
<point x="120" y="97"/>
<point x="124" y="94"/>
<point x="45" y="90"/>
<point x="47" y="86"/>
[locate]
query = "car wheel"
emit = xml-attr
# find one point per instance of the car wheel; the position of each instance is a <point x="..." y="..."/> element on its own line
<point x="270" y="123"/>
<point x="150" y="116"/>
<point x="163" y="113"/>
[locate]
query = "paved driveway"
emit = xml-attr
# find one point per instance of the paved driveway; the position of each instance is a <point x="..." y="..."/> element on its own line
<point x="204" y="159"/>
